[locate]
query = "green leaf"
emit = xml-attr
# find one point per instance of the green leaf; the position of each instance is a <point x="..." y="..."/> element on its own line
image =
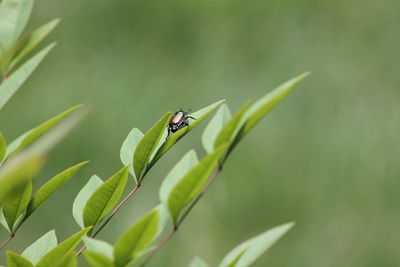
<point x="199" y="115"/>
<point x="128" y="148"/>
<point x="198" y="262"/>
<point x="68" y="261"/>
<point x="3" y="147"/>
<point x="99" y="246"/>
<point x="105" y="197"/>
<point x="3" y="221"/>
<point x="15" y="144"/>
<point x="213" y="128"/>
<point x="41" y="246"/>
<point x="32" y="40"/>
<point x="249" y="251"/>
<point x="9" y="86"/>
<point x="28" y="162"/>
<point x="14" y="15"/>
<point x="16" y="202"/>
<point x="141" y="257"/>
<point x="139" y="236"/>
<point x="57" y="254"/>
<point x="261" y="108"/>
<point x="236" y="259"/>
<point x="188" y="161"/>
<point x="50" y="187"/>
<point x="15" y="260"/>
<point x="97" y="260"/>
<point x="83" y="197"/>
<point x="16" y="170"/>
<point x="148" y="144"/>
<point x="230" y="129"/>
<point x="192" y="183"/>
<point x="30" y="136"/>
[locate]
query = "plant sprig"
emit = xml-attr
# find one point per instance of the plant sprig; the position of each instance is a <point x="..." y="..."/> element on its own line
<point x="190" y="178"/>
<point x="22" y="159"/>
<point x="99" y="201"/>
<point x="146" y="149"/>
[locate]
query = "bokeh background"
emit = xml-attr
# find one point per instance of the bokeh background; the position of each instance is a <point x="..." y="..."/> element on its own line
<point x="327" y="157"/>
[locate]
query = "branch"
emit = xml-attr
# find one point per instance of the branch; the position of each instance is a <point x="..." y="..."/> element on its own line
<point x="137" y="186"/>
<point x="7" y="240"/>
<point x="184" y="215"/>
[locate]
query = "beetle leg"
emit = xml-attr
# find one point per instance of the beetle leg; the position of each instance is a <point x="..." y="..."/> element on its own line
<point x="190" y="117"/>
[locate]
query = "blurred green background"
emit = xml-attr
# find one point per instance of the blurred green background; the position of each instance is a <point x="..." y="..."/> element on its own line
<point x="327" y="157"/>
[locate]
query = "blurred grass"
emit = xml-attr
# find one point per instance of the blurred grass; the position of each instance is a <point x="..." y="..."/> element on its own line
<point x="326" y="158"/>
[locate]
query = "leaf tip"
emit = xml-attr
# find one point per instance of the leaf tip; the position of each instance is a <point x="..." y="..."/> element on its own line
<point x="78" y="106"/>
<point x="219" y="103"/>
<point x="285" y="227"/>
<point x="291" y="224"/>
<point x="126" y="167"/>
<point x="304" y="75"/>
<point x="56" y="21"/>
<point x="52" y="45"/>
<point x="83" y="163"/>
<point x="192" y="151"/>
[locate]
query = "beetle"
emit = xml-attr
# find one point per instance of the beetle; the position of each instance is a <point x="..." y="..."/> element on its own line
<point x="179" y="120"/>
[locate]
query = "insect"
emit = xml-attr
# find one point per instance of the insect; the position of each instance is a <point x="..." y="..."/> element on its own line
<point x="179" y="120"/>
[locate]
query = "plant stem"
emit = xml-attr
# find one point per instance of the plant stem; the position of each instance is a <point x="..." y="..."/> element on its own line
<point x="7" y="240"/>
<point x="182" y="218"/>
<point x="212" y="179"/>
<point x="205" y="189"/>
<point x="159" y="246"/>
<point x="137" y="186"/>
<point x="80" y="251"/>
